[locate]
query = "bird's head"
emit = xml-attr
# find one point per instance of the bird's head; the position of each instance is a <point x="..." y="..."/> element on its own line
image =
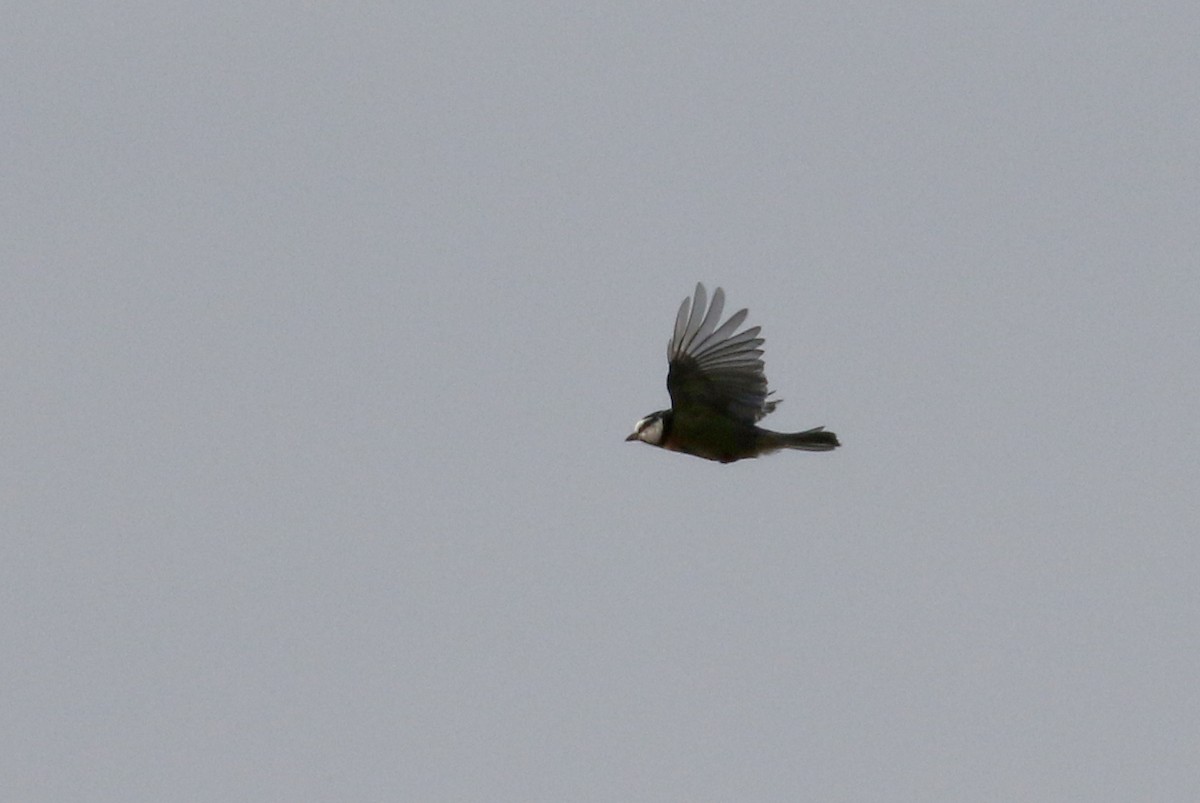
<point x="649" y="429"/>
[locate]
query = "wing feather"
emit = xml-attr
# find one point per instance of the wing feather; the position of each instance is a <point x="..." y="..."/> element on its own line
<point x="710" y="366"/>
<point x="725" y="331"/>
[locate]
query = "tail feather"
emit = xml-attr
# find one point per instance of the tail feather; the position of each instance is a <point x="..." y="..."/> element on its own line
<point x="812" y="440"/>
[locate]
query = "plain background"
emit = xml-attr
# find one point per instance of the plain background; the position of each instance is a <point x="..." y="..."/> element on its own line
<point x="322" y="328"/>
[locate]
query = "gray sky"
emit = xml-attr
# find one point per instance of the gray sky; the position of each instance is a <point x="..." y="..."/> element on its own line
<point x="322" y="330"/>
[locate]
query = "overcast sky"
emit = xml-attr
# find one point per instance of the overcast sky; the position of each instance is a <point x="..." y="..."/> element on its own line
<point x="322" y="327"/>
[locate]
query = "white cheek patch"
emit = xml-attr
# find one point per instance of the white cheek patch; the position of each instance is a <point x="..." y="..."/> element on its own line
<point x="650" y="432"/>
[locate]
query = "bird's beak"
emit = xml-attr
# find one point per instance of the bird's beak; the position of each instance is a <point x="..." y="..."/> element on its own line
<point x="631" y="437"/>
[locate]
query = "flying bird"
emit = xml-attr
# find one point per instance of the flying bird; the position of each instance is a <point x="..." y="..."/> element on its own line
<point x="718" y="391"/>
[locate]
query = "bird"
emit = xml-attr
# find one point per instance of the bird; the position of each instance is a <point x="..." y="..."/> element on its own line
<point x="719" y="391"/>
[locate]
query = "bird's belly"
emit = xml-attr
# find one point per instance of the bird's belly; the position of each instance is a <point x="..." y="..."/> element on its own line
<point x="712" y="439"/>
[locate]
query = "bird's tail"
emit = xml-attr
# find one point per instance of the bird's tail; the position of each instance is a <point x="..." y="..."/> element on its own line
<point x="811" y="440"/>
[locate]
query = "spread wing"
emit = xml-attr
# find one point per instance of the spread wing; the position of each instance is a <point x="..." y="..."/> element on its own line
<point x="710" y="366"/>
